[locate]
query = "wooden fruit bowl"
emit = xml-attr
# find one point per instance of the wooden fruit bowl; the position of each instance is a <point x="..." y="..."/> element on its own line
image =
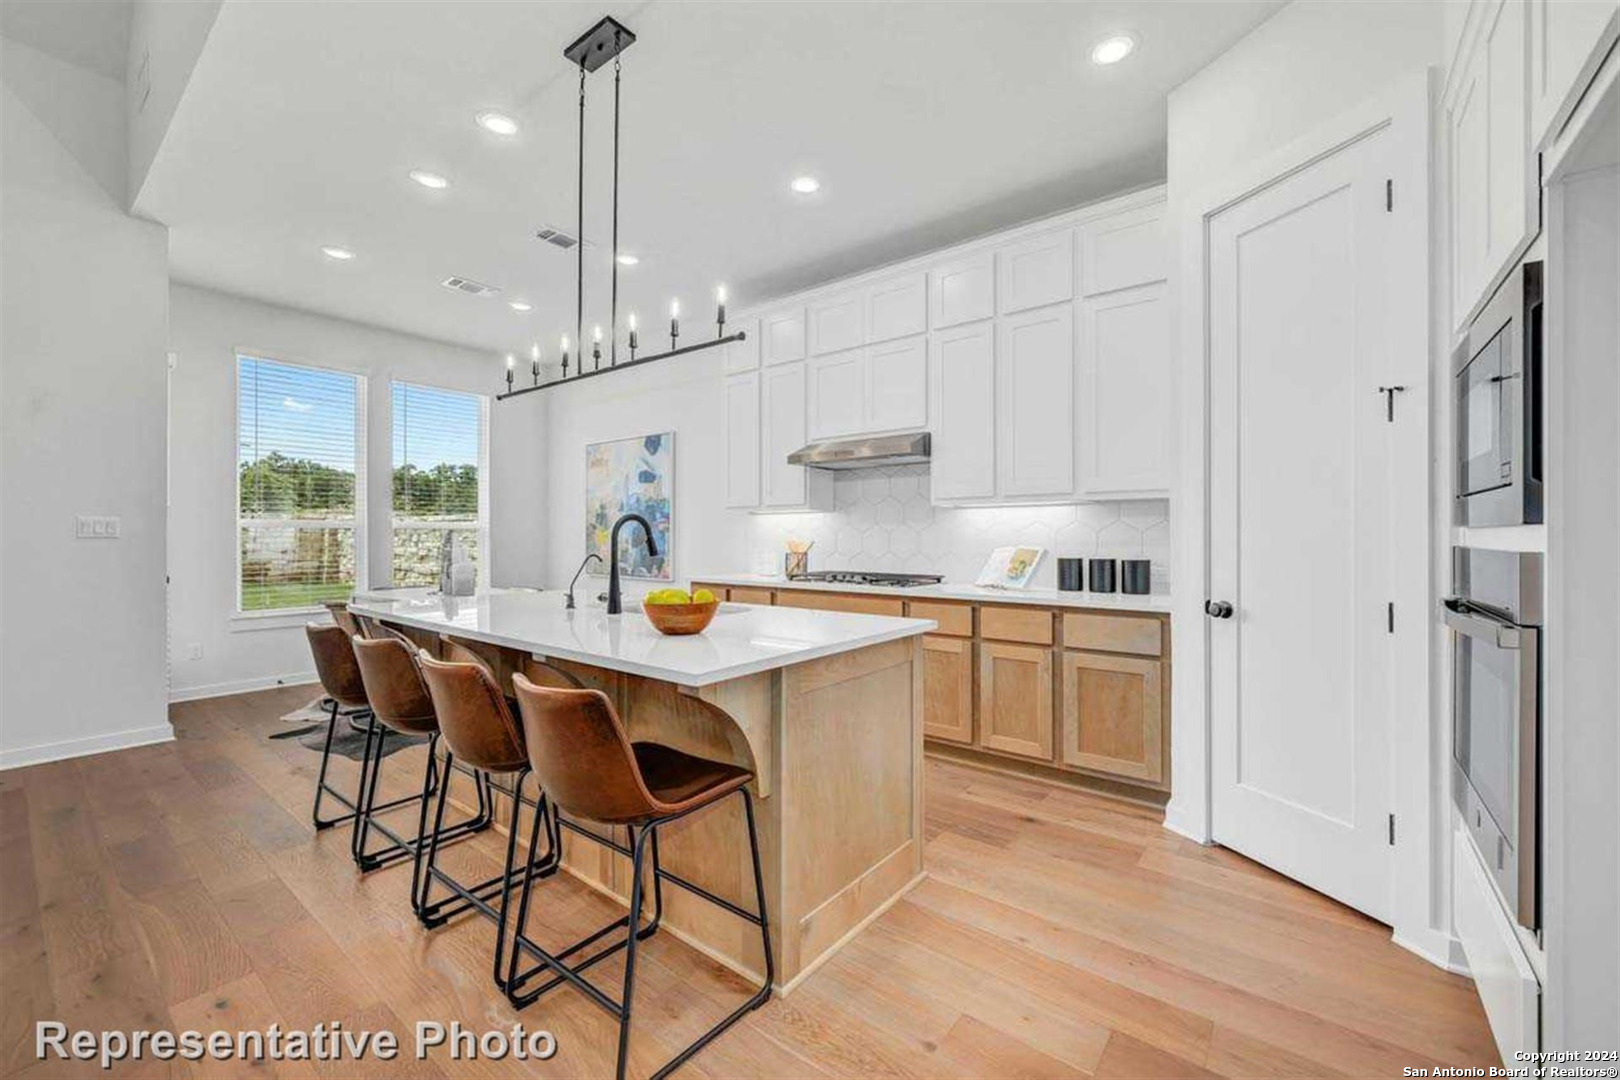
<point x="680" y="618"/>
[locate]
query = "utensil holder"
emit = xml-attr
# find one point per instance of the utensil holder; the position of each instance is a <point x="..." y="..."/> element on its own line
<point x="795" y="564"/>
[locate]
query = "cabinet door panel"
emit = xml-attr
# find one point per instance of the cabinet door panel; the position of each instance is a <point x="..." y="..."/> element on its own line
<point x="1113" y="715"/>
<point x="835" y="324"/>
<point x="1566" y="39"/>
<point x="962" y="291"/>
<point x="962" y="413"/>
<point x="743" y="355"/>
<point x="1035" y="272"/>
<point x="782" y="336"/>
<point x="741" y="395"/>
<point x="948" y="688"/>
<point x="1035" y="446"/>
<point x="1015" y="699"/>
<point x="1125" y="392"/>
<point x="1122" y="250"/>
<point x="897" y="385"/>
<point x="837" y="394"/>
<point x="782" y="407"/>
<point x="896" y="308"/>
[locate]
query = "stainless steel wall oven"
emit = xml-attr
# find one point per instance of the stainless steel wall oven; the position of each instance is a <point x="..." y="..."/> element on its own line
<point x="1496" y="715"/>
<point x="1498" y="375"/>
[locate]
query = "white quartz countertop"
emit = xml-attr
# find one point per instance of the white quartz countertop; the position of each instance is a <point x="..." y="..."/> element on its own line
<point x="947" y="591"/>
<point x="741" y="640"/>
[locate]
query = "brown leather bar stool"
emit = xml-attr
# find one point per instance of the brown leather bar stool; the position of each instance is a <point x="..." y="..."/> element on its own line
<point x="478" y="727"/>
<point x="399" y="699"/>
<point x="590" y="768"/>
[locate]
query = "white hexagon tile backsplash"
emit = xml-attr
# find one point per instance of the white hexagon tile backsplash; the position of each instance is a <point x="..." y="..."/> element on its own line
<point x="882" y="520"/>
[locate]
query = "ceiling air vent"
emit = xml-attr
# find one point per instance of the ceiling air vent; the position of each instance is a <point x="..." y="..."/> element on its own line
<point x="469" y="286"/>
<point x="556" y="238"/>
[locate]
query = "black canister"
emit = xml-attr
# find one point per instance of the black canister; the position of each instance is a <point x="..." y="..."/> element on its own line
<point x="1136" y="576"/>
<point x="1070" y="573"/>
<point x="1102" y="575"/>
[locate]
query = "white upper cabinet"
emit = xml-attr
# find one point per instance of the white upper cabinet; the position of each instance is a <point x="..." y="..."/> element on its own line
<point x="1495" y="192"/>
<point x="897" y="307"/>
<point x="783" y="409"/>
<point x="836" y="324"/>
<point x="782" y="336"/>
<point x="1126" y="395"/>
<point x="962" y="406"/>
<point x="1123" y="250"/>
<point x="963" y="290"/>
<point x="897" y="384"/>
<point x="1035" y="272"/>
<point x="740" y="394"/>
<point x="1568" y="40"/>
<point x="1035" y="383"/>
<point x="743" y="355"/>
<point x="837" y="389"/>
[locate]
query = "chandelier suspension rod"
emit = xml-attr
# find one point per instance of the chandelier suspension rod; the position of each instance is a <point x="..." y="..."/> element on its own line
<point x="613" y="303"/>
<point x="579" y="231"/>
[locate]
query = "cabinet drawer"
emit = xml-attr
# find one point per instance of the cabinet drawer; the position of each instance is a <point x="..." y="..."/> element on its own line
<point x="860" y="605"/>
<point x="751" y="596"/>
<point x="1033" y="625"/>
<point x="1139" y="634"/>
<point x="954" y="619"/>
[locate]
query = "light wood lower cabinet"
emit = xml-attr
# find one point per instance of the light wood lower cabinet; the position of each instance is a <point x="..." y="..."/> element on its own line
<point x="740" y="595"/>
<point x="1015" y="699"/>
<point x="860" y="605"/>
<point x="1113" y="714"/>
<point x="948" y="688"/>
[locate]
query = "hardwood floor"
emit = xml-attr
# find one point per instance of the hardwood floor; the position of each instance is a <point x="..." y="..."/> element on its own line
<point x="1057" y="934"/>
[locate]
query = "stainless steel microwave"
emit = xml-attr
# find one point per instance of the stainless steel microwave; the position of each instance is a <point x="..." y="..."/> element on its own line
<point x="1497" y="371"/>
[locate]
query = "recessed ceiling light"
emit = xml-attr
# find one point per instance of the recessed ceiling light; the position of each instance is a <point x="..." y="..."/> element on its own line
<point x="429" y="179"/>
<point x="521" y="305"/>
<point x="1112" y="50"/>
<point x="805" y="185"/>
<point x="341" y="254"/>
<point x="627" y="259"/>
<point x="497" y="123"/>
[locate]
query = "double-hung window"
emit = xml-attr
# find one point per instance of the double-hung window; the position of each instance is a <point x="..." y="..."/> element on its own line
<point x="300" y="448"/>
<point x="440" y="480"/>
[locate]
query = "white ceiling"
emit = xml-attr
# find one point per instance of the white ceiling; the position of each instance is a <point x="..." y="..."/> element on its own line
<point x="926" y="122"/>
<point x="93" y="34"/>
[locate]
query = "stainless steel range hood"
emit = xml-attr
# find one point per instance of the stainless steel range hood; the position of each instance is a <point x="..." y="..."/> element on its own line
<point x="865" y="453"/>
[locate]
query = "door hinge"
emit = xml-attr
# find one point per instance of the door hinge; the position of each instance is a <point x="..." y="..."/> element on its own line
<point x="1392" y="830"/>
<point x="1389" y="393"/>
<point x="1391" y="616"/>
<point x="1389" y="196"/>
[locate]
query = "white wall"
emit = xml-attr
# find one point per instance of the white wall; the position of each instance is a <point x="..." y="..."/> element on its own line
<point x="83" y="310"/>
<point x="1305" y="66"/>
<point x="165" y="41"/>
<point x="207" y="329"/>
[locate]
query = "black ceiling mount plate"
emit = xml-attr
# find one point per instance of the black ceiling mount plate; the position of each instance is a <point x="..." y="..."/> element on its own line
<point x="600" y="43"/>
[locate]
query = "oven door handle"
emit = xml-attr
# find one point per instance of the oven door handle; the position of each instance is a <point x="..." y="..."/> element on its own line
<point x="1465" y="621"/>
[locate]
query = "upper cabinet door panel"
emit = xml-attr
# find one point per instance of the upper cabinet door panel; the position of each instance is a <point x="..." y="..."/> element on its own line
<point x="743" y="355"/>
<point x="1035" y="448"/>
<point x="782" y="336"/>
<point x="741" y="395"/>
<point x="1123" y="250"/>
<point x="1568" y="40"/>
<point x="835" y="324"/>
<point x="962" y="291"/>
<point x="782" y="408"/>
<point x="1036" y="271"/>
<point x="837" y="394"/>
<point x="962" y="412"/>
<point x="897" y="307"/>
<point x="897" y="385"/>
<point x="1126" y="400"/>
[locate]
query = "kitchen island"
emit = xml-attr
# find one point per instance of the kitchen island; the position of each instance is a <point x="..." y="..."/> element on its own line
<point x="825" y="708"/>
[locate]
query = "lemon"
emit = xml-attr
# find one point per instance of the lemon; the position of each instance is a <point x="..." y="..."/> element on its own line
<point x="703" y="596"/>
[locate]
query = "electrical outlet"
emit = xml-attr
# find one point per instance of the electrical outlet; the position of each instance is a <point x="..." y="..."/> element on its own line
<point x="194" y="651"/>
<point x="95" y="527"/>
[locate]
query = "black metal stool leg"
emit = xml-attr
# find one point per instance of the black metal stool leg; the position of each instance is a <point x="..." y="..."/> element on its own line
<point x="360" y="793"/>
<point x="430" y="776"/>
<point x="628" y="998"/>
<point x="369" y="804"/>
<point x="433" y="841"/>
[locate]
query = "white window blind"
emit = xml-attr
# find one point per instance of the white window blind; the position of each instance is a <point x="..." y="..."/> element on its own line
<point x="439" y="480"/>
<point x="298" y="454"/>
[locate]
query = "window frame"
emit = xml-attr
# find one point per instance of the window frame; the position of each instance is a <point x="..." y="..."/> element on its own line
<point x="481" y="525"/>
<point x="275" y="618"/>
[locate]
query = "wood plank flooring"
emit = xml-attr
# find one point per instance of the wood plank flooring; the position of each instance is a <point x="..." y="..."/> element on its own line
<point x="1057" y="934"/>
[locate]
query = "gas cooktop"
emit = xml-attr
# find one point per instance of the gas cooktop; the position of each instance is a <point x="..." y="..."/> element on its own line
<point x="870" y="577"/>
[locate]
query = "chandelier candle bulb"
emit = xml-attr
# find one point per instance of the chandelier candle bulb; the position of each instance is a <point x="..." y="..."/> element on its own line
<point x="674" y="322"/>
<point x="633" y="342"/>
<point x="720" y="303"/>
<point x="565" y="355"/>
<point x="511" y="361"/>
<point x="534" y="362"/>
<point x="596" y="348"/>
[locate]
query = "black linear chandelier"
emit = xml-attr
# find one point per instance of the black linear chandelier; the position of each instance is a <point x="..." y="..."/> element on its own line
<point x="606" y="41"/>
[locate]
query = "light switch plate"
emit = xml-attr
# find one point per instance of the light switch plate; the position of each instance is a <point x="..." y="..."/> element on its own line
<point x="96" y="527"/>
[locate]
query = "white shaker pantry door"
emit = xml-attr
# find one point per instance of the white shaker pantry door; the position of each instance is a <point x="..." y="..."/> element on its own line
<point x="1301" y="688"/>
